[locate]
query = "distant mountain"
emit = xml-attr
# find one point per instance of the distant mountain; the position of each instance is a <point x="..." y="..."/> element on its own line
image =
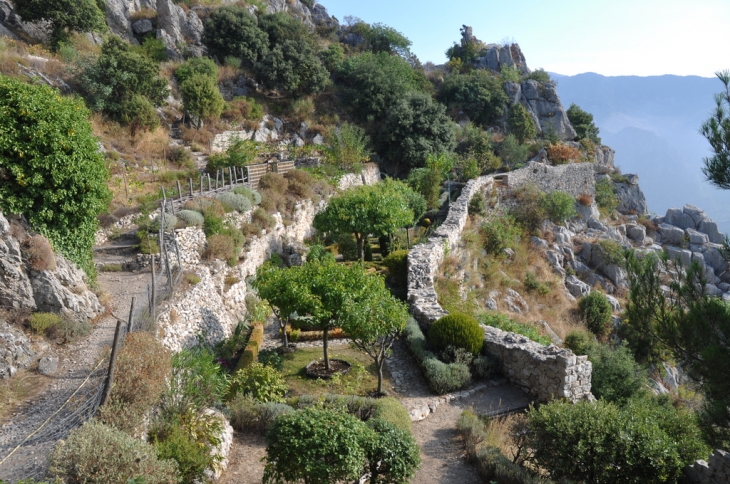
<point x="653" y="124"/>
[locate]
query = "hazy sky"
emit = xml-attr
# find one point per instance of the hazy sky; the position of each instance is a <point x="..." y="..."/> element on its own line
<point x="609" y="37"/>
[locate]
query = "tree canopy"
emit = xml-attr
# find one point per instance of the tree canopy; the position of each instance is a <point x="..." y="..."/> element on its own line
<point x="51" y="169"/>
<point x="717" y="131"/>
<point x="414" y="128"/>
<point x="233" y="31"/>
<point x="479" y="94"/>
<point x="583" y="124"/>
<point x="377" y="209"/>
<point x="65" y="16"/>
<point x="520" y="123"/>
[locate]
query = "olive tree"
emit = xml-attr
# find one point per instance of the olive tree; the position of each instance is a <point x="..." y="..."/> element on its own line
<point x="201" y="97"/>
<point x="51" y="169"/>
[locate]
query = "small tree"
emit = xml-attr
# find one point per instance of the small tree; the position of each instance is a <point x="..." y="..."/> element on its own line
<point x="479" y="94"/>
<point x="520" y="123"/>
<point x="365" y="210"/>
<point x="233" y="31"/>
<point x="512" y="152"/>
<point x="583" y="124"/>
<point x="374" y="323"/>
<point x="65" y="16"/>
<point x="347" y="146"/>
<point x="138" y="113"/>
<point x="294" y="67"/>
<point x="201" y="97"/>
<point x="316" y="446"/>
<point x="393" y="455"/>
<point x="596" y="311"/>
<point x="717" y="131"/>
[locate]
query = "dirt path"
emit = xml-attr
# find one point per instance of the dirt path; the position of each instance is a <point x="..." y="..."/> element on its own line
<point x="75" y="363"/>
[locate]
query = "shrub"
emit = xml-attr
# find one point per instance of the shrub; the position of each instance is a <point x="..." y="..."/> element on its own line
<point x="292" y="66"/>
<point x="233" y="31"/>
<point x="580" y="341"/>
<point x="63" y="17"/>
<point x="500" y="232"/>
<point x="98" y="454"/>
<point x="262" y="383"/>
<point x="616" y="377"/>
<point x="560" y="206"/>
<point x="476" y="205"/>
<point x="271" y="358"/>
<point x="393" y="455"/>
<point x="191" y="218"/>
<point x="347" y="146"/>
<point x="201" y="97"/>
<point x="220" y="247"/>
<point x="247" y="414"/>
<point x="178" y="445"/>
<point x="253" y="196"/>
<point x="251" y="351"/>
<point x="596" y="311"/>
<point x="196" y="382"/>
<point x="486" y="366"/>
<point x="43" y="322"/>
<point x="191" y="278"/>
<point x="479" y="94"/>
<point x="501" y="321"/>
<point x="533" y="285"/>
<point x="347" y="247"/>
<point x="530" y="211"/>
<point x="63" y="152"/>
<point x="242" y="108"/>
<point x="40" y="253"/>
<point x="397" y="264"/>
<point x="560" y="154"/>
<point x="142" y="367"/>
<point x="606" y="198"/>
<point x="444" y="378"/>
<point x="318" y="445"/>
<point x="69" y="330"/>
<point x="645" y="441"/>
<point x="520" y="123"/>
<point x="232" y="201"/>
<point x="585" y="199"/>
<point x="206" y="206"/>
<point x="583" y="124"/>
<point x="513" y="153"/>
<point x="392" y="411"/>
<point x="299" y="190"/>
<point x="262" y="219"/>
<point x="196" y="65"/>
<point x="612" y="251"/>
<point x="170" y="222"/>
<point x="274" y="182"/>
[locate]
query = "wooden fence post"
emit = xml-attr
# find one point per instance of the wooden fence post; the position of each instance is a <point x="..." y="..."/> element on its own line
<point x="153" y="310"/>
<point x="131" y="315"/>
<point x="217" y="173"/>
<point x="208" y="181"/>
<point x="179" y="191"/>
<point x="112" y="363"/>
<point x="190" y="181"/>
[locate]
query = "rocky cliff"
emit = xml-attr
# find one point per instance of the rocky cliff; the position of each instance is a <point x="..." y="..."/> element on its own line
<point x="33" y="277"/>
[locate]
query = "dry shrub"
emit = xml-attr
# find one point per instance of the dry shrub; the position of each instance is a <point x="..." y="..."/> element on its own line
<point x="139" y="380"/>
<point x="122" y="212"/>
<point x="40" y="253"/>
<point x="262" y="219"/>
<point x="274" y="182"/>
<point x="25" y="385"/>
<point x="585" y="199"/>
<point x="272" y="201"/>
<point x="220" y="247"/>
<point x="560" y="154"/>
<point x="650" y="226"/>
<point x="106" y="220"/>
<point x="18" y="231"/>
<point x="240" y="109"/>
<point x="299" y="190"/>
<point x="209" y="207"/>
<point x="227" y="73"/>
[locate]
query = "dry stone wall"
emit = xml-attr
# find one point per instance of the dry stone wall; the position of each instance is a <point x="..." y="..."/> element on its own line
<point x="544" y="372"/>
<point x="575" y="178"/>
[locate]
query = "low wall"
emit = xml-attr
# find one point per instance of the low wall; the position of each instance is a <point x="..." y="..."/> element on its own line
<point x="546" y="372"/>
<point x="575" y="178"/>
<point x="716" y="470"/>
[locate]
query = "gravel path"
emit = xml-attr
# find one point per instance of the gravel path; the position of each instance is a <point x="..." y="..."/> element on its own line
<point x="75" y="363"/>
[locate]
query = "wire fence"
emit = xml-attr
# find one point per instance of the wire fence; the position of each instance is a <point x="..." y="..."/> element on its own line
<point x="27" y="441"/>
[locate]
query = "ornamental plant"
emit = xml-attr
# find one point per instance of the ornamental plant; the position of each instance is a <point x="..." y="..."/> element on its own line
<point x="459" y="330"/>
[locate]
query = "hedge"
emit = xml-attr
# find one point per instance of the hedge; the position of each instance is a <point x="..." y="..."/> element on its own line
<point x="251" y="351"/>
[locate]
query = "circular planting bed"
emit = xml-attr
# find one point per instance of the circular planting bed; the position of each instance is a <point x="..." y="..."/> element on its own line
<point x="316" y="369"/>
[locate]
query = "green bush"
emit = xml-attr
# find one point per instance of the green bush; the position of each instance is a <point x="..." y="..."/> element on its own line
<point x="520" y="123"/>
<point x="392" y="411"/>
<point x="414" y="128"/>
<point x="253" y="196"/>
<point x="504" y="323"/>
<point x="646" y="441"/>
<point x="606" y="197"/>
<point x="232" y="201"/>
<point x="292" y="66"/>
<point x="445" y="378"/>
<point x="221" y="247"/>
<point x="477" y="205"/>
<point x="580" y="341"/>
<point x="347" y="247"/>
<point x="69" y="330"/>
<point x="458" y="330"/>
<point x="560" y="206"/>
<point x="154" y="49"/>
<point x="43" y="322"/>
<point x="62" y="152"/>
<point x="616" y="376"/>
<point x="397" y="264"/>
<point x="533" y="285"/>
<point x="138" y="113"/>
<point x="597" y="313"/>
<point x="212" y="225"/>
<point x="530" y="211"/>
<point x="415" y="339"/>
<point x="170" y="222"/>
<point x="500" y="232"/>
<point x="233" y="31"/>
<point x="583" y="124"/>
<point x="274" y="182"/>
<point x="196" y="65"/>
<point x="612" y="251"/>
<point x="191" y="218"/>
<point x="479" y="94"/>
<point x="486" y="366"/>
<point x="262" y="383"/>
<point x="393" y="455"/>
<point x="317" y="445"/>
<point x="179" y="446"/>
<point x="247" y="414"/>
<point x="63" y="17"/>
<point x="201" y="97"/>
<point x="99" y="454"/>
<point x="196" y="382"/>
<point x="239" y="153"/>
<point x="513" y="153"/>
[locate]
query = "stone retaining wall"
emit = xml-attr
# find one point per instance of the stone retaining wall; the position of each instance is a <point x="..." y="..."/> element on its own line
<point x="575" y="178"/>
<point x="716" y="470"/>
<point x="545" y="372"/>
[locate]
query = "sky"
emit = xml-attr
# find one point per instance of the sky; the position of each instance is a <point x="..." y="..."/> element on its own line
<point x="609" y="37"/>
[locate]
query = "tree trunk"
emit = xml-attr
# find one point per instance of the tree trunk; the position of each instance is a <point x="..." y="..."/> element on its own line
<point x="282" y="323"/>
<point x="379" y="362"/>
<point x="325" y="340"/>
<point x="360" y="251"/>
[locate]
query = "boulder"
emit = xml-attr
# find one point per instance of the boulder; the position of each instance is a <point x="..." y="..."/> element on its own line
<point x="615" y="305"/>
<point x="697" y="214"/>
<point x="671" y="234"/>
<point x="515" y="303"/>
<point x="616" y="274"/>
<point x="31" y="32"/>
<point x="576" y="287"/>
<point x="117" y="18"/>
<point x="636" y="232"/>
<point x="542" y="101"/>
<point x="696" y="237"/>
<point x="16" y="350"/>
<point x="48" y="365"/>
<point x="497" y="56"/>
<point x="141" y="27"/>
<point x="321" y="18"/>
<point x="683" y="255"/>
<point x="709" y="227"/>
<point x="630" y="197"/>
<point x="539" y="243"/>
<point x="679" y="218"/>
<point x="587" y="212"/>
<point x="294" y="7"/>
<point x="713" y="258"/>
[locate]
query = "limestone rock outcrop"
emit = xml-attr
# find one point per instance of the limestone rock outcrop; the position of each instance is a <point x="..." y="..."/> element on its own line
<point x="12" y="25"/>
<point x="497" y="56"/>
<point x="62" y="289"/>
<point x="542" y="102"/>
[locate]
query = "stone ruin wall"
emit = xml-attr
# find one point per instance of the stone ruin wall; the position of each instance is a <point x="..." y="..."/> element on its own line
<point x="544" y="372"/>
<point x="575" y="178"/>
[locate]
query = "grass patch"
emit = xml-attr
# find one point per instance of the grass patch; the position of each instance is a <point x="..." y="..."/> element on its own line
<point x="19" y="388"/>
<point x="360" y="380"/>
<point x="111" y="268"/>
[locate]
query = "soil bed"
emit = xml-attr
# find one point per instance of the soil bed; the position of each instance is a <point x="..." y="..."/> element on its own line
<point x="316" y="369"/>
